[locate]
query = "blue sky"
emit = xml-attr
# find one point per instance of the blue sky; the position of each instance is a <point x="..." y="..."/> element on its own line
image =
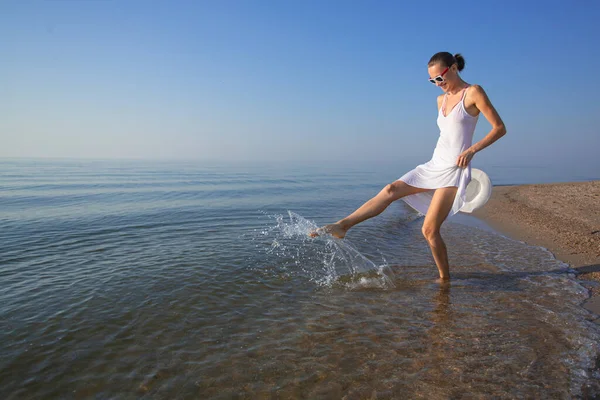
<point x="291" y="80"/>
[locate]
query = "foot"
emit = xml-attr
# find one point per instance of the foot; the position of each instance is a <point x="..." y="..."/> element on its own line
<point x="334" y="230"/>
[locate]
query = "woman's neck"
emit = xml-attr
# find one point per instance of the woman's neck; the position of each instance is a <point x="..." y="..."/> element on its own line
<point x="457" y="87"/>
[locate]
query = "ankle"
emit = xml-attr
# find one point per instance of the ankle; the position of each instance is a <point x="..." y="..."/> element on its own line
<point x="344" y="224"/>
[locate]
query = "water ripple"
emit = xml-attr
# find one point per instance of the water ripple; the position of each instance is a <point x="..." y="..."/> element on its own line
<point x="118" y="282"/>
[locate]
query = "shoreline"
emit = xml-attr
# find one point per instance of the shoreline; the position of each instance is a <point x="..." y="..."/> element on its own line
<point x="564" y="218"/>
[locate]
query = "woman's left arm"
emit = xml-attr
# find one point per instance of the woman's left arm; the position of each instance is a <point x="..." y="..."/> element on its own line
<point x="484" y="105"/>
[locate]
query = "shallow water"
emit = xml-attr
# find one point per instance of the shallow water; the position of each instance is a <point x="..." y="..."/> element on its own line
<point x="186" y="281"/>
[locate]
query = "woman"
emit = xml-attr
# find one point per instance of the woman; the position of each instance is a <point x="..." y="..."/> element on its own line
<point x="437" y="188"/>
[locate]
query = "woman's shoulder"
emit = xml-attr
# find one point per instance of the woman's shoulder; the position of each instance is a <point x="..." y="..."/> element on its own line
<point x="476" y="94"/>
<point x="475" y="89"/>
<point x="473" y="96"/>
<point x="440" y="98"/>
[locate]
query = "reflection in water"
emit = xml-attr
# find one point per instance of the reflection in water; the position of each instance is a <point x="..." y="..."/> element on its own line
<point x="440" y="349"/>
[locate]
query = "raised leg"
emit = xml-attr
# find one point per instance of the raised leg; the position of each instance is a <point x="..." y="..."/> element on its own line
<point x="440" y="206"/>
<point x="371" y="208"/>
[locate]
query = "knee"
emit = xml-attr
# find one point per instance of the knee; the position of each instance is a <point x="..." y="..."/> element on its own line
<point x="430" y="232"/>
<point x="391" y="189"/>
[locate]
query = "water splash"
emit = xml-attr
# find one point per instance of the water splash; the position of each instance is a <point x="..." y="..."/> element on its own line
<point x="325" y="260"/>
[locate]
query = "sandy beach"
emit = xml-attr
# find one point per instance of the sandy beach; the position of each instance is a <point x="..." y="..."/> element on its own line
<point x="562" y="217"/>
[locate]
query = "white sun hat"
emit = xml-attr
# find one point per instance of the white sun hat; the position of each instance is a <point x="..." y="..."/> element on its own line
<point x="478" y="191"/>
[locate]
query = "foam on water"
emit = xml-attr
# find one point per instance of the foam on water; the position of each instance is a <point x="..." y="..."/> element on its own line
<point x="325" y="260"/>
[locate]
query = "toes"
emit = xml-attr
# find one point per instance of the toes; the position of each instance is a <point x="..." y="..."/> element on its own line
<point x="317" y="232"/>
<point x="328" y="230"/>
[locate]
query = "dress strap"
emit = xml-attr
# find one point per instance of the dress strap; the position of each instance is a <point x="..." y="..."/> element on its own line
<point x="443" y="108"/>
<point x="464" y="93"/>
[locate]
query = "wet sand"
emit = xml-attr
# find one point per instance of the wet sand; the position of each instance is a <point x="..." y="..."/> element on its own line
<point x="562" y="217"/>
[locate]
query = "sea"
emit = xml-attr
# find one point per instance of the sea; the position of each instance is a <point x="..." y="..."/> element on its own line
<point x="197" y="280"/>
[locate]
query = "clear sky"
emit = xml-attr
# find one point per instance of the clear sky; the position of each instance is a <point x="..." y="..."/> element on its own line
<point x="291" y="80"/>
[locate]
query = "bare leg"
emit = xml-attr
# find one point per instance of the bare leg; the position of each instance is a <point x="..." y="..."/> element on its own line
<point x="371" y="208"/>
<point x="440" y="206"/>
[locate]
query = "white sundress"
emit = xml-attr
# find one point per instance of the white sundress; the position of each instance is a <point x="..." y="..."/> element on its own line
<point x="456" y="135"/>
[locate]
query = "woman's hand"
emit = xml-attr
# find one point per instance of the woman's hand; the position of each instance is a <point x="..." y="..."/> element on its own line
<point x="465" y="158"/>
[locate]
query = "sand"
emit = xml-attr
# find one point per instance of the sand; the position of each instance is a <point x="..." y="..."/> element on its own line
<point x="562" y="217"/>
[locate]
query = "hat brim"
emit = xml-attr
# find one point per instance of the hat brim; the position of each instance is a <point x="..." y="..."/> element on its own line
<point x="478" y="191"/>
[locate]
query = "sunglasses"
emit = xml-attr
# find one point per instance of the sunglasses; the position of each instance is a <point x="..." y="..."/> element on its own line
<point x="439" y="78"/>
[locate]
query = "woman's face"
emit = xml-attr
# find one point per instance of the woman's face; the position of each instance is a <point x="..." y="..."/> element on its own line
<point x="447" y="74"/>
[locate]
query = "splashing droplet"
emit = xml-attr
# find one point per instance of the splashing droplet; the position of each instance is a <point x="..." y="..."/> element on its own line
<point x="325" y="260"/>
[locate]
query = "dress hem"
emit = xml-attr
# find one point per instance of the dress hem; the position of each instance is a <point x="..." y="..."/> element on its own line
<point x="426" y="188"/>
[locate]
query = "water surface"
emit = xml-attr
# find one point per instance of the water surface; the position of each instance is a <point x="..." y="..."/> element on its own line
<point x="183" y="280"/>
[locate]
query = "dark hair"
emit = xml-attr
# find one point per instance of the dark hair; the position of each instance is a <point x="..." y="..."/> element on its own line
<point x="447" y="59"/>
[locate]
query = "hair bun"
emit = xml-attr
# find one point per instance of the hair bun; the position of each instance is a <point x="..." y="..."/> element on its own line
<point x="460" y="61"/>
